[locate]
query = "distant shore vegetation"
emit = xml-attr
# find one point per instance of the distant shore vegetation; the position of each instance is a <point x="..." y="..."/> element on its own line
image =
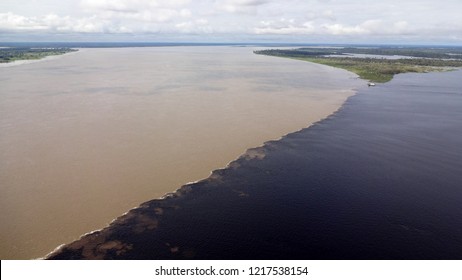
<point x="377" y="64"/>
<point x="24" y="53"/>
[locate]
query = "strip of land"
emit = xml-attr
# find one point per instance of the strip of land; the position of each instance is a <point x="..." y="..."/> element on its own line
<point x="377" y="64"/>
<point x="13" y="54"/>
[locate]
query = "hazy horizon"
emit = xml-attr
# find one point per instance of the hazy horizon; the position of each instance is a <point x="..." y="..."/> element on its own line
<point x="126" y="44"/>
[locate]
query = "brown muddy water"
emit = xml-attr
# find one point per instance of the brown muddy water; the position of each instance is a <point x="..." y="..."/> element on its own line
<point x="87" y="136"/>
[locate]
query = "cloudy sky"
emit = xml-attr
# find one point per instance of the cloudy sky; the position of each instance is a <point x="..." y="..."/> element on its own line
<point x="326" y="21"/>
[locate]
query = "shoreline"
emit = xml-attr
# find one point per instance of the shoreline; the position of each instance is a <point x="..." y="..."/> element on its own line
<point x="375" y="69"/>
<point x="31" y="61"/>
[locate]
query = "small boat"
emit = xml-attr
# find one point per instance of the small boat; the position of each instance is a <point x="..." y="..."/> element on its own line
<point x="371" y="84"/>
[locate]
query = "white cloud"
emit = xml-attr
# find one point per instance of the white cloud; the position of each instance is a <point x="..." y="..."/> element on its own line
<point x="131" y="5"/>
<point x="369" y="27"/>
<point x="200" y="26"/>
<point x="109" y="5"/>
<point x="185" y="13"/>
<point x="54" y="23"/>
<point x="285" y="27"/>
<point x="241" y="6"/>
<point x="239" y="18"/>
<point x="10" y="21"/>
<point x="138" y="10"/>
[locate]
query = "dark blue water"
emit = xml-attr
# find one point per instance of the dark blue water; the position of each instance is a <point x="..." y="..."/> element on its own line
<point x="380" y="179"/>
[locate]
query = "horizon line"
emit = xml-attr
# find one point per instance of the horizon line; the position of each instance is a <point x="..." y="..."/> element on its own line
<point x="179" y="43"/>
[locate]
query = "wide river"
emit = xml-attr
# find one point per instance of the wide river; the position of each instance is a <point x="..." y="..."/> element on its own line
<point x="87" y="136"/>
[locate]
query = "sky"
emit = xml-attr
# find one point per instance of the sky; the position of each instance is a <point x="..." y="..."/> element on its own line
<point x="292" y="21"/>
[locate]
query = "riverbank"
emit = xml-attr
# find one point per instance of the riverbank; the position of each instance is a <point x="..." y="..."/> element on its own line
<point x="377" y="64"/>
<point x="20" y="54"/>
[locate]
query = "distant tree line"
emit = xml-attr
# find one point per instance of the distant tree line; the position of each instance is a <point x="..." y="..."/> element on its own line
<point x="375" y="69"/>
<point x="296" y="52"/>
<point x="439" y="53"/>
<point x="23" y="53"/>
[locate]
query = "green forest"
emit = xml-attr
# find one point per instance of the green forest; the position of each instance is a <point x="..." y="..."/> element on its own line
<point x="419" y="60"/>
<point x="13" y="54"/>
